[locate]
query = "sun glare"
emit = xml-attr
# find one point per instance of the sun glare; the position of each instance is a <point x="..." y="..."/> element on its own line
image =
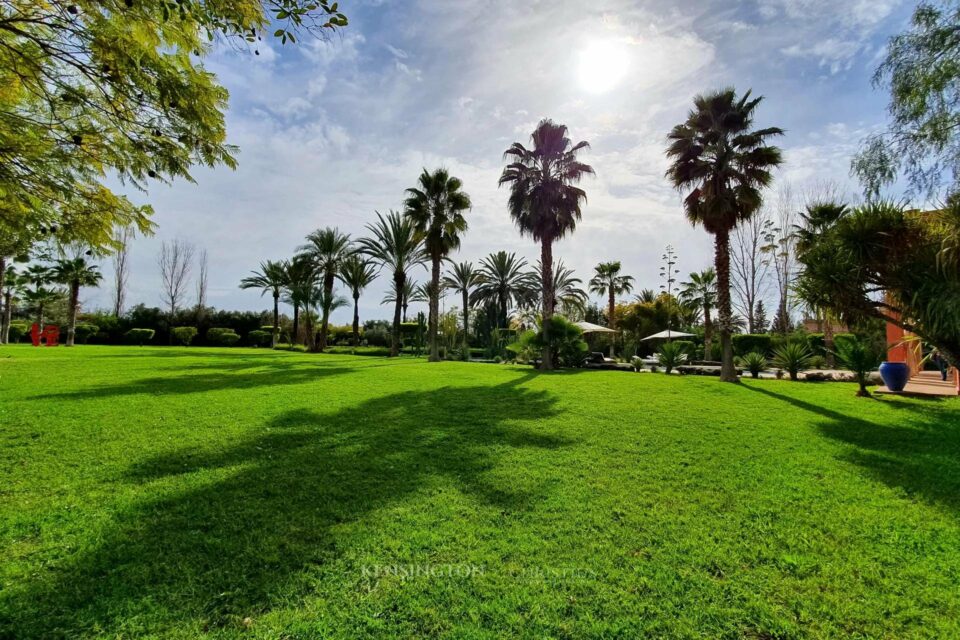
<point x="603" y="64"/>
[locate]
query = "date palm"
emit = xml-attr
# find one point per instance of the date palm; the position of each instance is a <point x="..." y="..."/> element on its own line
<point x="395" y="246"/>
<point x="357" y="273"/>
<point x="646" y="296"/>
<point x="504" y="281"/>
<point x="608" y="281"/>
<point x="328" y="249"/>
<point x="11" y="289"/>
<point x="300" y="278"/>
<point x="464" y="278"/>
<point x="721" y="165"/>
<point x="544" y="199"/>
<point x="319" y="298"/>
<point x="436" y="206"/>
<point x="271" y="278"/>
<point x="701" y="291"/>
<point x="567" y="292"/>
<point x="74" y="273"/>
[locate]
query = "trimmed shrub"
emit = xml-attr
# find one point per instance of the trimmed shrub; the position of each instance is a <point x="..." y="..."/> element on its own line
<point x="754" y="362"/>
<point x="260" y="338"/>
<point x="139" y="336"/>
<point x="376" y="337"/>
<point x="83" y="332"/>
<point x="283" y="346"/>
<point x="222" y="337"/>
<point x="18" y="330"/>
<point x="752" y="342"/>
<point x="184" y="335"/>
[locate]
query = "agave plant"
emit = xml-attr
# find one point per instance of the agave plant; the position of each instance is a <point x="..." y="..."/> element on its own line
<point x="671" y="354"/>
<point x="792" y="358"/>
<point x="860" y="358"/>
<point x="754" y="362"/>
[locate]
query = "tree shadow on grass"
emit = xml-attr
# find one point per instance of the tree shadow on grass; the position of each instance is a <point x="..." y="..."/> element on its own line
<point x="257" y="521"/>
<point x="919" y="456"/>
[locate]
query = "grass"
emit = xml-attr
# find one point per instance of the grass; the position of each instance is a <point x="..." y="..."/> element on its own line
<point x="183" y="493"/>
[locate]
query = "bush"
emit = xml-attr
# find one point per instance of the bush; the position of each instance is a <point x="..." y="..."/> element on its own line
<point x="83" y="332"/>
<point x="860" y="358"/>
<point x="752" y="342"/>
<point x="817" y="346"/>
<point x="184" y="335"/>
<point x="688" y="347"/>
<point x="283" y="346"/>
<point x="222" y="337"/>
<point x="671" y="354"/>
<point x="260" y="338"/>
<point x="377" y="337"/>
<point x="18" y="330"/>
<point x="565" y="340"/>
<point x="139" y="336"/>
<point x="754" y="362"/>
<point x="792" y="358"/>
<point x="382" y="352"/>
<point x="524" y="349"/>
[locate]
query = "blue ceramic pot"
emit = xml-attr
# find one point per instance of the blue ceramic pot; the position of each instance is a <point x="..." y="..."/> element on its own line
<point x="895" y="375"/>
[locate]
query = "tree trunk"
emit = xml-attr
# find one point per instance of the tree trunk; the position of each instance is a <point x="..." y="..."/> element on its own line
<point x="356" y="318"/>
<point x="296" y="324"/>
<point x="73" y="308"/>
<point x="7" y="315"/>
<point x="546" y="261"/>
<point x="828" y="345"/>
<point x="466" y="324"/>
<point x="707" y="333"/>
<point x="3" y="312"/>
<point x="434" y="320"/>
<point x="327" y="301"/>
<point x="276" y="319"/>
<point x="399" y="280"/>
<point x="611" y="320"/>
<point x="728" y="372"/>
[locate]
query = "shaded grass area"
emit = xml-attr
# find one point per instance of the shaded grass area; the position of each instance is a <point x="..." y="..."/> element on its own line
<point x="252" y="493"/>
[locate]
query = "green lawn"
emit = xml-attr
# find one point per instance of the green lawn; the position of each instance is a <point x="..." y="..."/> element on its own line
<point x="242" y="493"/>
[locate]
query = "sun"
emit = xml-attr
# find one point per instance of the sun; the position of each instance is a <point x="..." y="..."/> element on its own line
<point x="603" y="64"/>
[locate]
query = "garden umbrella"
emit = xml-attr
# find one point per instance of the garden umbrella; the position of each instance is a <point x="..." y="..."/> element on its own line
<point x="588" y="327"/>
<point x="668" y="335"/>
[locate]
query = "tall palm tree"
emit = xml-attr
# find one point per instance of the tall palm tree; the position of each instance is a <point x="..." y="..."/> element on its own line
<point x="436" y="208"/>
<point x="300" y="279"/>
<point x="701" y="291"/>
<point x="722" y="165"/>
<point x="412" y="292"/>
<point x="463" y="279"/>
<point x="396" y="247"/>
<point x="504" y="281"/>
<point x="38" y="276"/>
<point x="327" y="248"/>
<point x="10" y="290"/>
<point x="75" y="273"/>
<point x="319" y="298"/>
<point x="357" y="273"/>
<point x="272" y="279"/>
<point x="608" y="281"/>
<point x="567" y="292"/>
<point x="544" y="199"/>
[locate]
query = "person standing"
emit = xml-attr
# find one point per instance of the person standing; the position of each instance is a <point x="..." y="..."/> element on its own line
<point x="940" y="362"/>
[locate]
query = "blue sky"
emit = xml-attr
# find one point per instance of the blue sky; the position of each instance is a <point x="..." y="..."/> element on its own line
<point x="332" y="131"/>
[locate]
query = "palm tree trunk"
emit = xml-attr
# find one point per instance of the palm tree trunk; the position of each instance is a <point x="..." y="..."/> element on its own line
<point x="296" y="324"/>
<point x="327" y="301"/>
<point x="707" y="333"/>
<point x="7" y="316"/>
<point x="3" y="315"/>
<point x="434" y="310"/>
<point x="356" y="318"/>
<point x="546" y="261"/>
<point x="276" y="319"/>
<point x="72" y="310"/>
<point x="399" y="279"/>
<point x="466" y="324"/>
<point x="611" y="321"/>
<point x="828" y="340"/>
<point x="728" y="372"/>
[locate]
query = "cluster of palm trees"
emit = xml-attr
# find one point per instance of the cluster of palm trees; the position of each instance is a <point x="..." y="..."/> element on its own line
<point x="36" y="287"/>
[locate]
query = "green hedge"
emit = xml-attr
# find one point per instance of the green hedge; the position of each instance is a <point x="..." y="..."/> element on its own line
<point x="222" y="337"/>
<point x="260" y="338"/>
<point x="184" y="335"/>
<point x="84" y="331"/>
<point x="816" y="344"/>
<point x="18" y="331"/>
<point x="752" y="343"/>
<point x="139" y="336"/>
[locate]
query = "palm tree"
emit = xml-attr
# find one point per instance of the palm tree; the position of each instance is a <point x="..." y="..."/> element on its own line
<point x="412" y="292"/>
<point x="567" y="292"/>
<point x="607" y="281"/>
<point x="319" y="298"/>
<point x="75" y="273"/>
<point x="299" y="281"/>
<point x="463" y="279"/>
<point x="436" y="209"/>
<point x="544" y="201"/>
<point x="40" y="296"/>
<point x="357" y="273"/>
<point x="10" y="289"/>
<point x="701" y="291"/>
<point x="396" y="247"/>
<point x="504" y="281"/>
<point x="271" y="278"/>
<point x="327" y="249"/>
<point x="722" y="165"/>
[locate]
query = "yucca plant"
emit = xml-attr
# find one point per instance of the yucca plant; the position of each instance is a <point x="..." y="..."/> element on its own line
<point x="671" y="354"/>
<point x="754" y="362"/>
<point x="792" y="358"/>
<point x="860" y="358"/>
